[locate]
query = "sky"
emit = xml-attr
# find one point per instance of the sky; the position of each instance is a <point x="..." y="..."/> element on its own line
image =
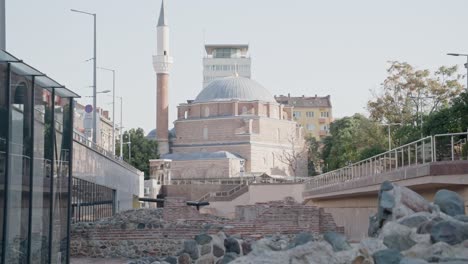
<point x="302" y="47"/>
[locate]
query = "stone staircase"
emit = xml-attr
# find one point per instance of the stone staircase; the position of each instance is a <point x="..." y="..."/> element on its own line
<point x="225" y="195"/>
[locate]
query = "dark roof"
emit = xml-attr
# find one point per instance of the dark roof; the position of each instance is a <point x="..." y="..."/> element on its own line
<point x="305" y="101"/>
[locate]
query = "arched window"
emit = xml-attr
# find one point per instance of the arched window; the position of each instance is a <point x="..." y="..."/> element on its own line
<point x="185" y="114"/>
<point x="207" y="111"/>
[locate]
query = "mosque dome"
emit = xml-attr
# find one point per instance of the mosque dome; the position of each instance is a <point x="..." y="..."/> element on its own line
<point x="232" y="88"/>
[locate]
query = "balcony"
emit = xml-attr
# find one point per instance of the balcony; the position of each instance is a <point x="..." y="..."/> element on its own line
<point x="322" y="120"/>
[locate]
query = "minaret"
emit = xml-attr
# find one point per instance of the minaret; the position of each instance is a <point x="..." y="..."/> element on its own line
<point x="162" y="62"/>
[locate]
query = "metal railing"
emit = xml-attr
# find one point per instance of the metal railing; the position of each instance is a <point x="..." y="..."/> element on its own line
<point x="451" y="146"/>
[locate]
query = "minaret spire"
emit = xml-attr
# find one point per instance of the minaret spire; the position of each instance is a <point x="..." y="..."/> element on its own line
<point x="162" y="62"/>
<point x="162" y="18"/>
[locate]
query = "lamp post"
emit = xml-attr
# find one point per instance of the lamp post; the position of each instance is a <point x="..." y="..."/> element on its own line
<point x="113" y="107"/>
<point x="466" y="64"/>
<point x="94" y="74"/>
<point x="121" y="127"/>
<point x="2" y="25"/>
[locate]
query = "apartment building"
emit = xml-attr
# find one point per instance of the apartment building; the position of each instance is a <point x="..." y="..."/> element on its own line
<point x="314" y="113"/>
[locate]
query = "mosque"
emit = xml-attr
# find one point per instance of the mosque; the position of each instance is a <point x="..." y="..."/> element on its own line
<point x="233" y="128"/>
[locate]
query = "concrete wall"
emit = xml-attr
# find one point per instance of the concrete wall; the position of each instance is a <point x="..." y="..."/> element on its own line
<point x="92" y="166"/>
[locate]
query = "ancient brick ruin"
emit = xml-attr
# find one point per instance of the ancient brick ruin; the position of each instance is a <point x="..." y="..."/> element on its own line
<point x="161" y="232"/>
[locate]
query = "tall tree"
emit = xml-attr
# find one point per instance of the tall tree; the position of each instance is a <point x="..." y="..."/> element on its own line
<point x="407" y="93"/>
<point x="352" y="139"/>
<point x="141" y="149"/>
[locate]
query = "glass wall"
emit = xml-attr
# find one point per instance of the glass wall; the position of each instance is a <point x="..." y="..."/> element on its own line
<point x="62" y="145"/>
<point x="4" y="124"/>
<point x="19" y="169"/>
<point x="42" y="167"/>
<point x="35" y="152"/>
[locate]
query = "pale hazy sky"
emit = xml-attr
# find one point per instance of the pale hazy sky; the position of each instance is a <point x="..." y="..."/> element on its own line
<point x="307" y="47"/>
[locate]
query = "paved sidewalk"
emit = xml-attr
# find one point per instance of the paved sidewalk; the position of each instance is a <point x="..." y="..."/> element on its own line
<point x="97" y="261"/>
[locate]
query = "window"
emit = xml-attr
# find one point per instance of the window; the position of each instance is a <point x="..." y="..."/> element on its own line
<point x="207" y="111"/>
<point x="297" y="114"/>
<point x="223" y="53"/>
<point x="310" y="127"/>
<point x="324" y="128"/>
<point x="310" y="114"/>
<point x="323" y="114"/>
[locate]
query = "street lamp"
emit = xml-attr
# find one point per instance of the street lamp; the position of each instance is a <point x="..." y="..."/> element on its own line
<point x="121" y="127"/>
<point x="101" y="92"/>
<point x="466" y="64"/>
<point x="94" y="74"/>
<point x="113" y="107"/>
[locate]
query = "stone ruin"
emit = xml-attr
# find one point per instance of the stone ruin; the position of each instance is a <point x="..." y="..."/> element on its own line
<point x="407" y="229"/>
<point x="163" y="232"/>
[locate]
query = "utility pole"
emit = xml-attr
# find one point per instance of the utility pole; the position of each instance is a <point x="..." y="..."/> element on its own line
<point x="121" y="128"/>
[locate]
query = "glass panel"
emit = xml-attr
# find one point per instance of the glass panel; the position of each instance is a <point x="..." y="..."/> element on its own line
<point x="24" y="69"/>
<point x="19" y="166"/>
<point x="61" y="176"/>
<point x="3" y="136"/>
<point x="5" y="56"/>
<point x="42" y="166"/>
<point x="46" y="82"/>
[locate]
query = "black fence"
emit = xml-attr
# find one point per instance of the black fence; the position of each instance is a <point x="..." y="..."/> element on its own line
<point x="91" y="201"/>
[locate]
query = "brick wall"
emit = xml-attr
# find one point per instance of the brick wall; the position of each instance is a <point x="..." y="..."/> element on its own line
<point x="181" y="222"/>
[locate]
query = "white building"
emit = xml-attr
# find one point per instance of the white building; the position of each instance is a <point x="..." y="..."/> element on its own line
<point x="226" y="60"/>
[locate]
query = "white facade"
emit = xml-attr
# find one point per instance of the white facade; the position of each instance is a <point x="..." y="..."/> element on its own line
<point x="162" y="61"/>
<point x="226" y="60"/>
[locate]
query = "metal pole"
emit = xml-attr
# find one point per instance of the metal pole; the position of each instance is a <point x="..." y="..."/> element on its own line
<point x="389" y="141"/>
<point x="113" y="112"/>
<point x="2" y="25"/>
<point x="121" y="129"/>
<point x="94" y="86"/>
<point x="466" y="66"/>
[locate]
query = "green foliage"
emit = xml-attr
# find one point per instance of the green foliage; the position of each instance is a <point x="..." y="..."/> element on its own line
<point x="142" y="149"/>
<point x="452" y="119"/>
<point x="351" y="138"/>
<point x="313" y="161"/>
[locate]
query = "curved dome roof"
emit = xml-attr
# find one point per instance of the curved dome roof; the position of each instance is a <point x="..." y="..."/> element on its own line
<point x="234" y="87"/>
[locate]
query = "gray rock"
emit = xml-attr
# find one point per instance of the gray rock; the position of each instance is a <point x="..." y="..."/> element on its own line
<point x="230" y="256"/>
<point x="185" y="259"/>
<point x="387" y="256"/>
<point x="426" y="227"/>
<point x="232" y="245"/>
<point x="415" y="220"/>
<point x="246" y="247"/>
<point x="337" y="241"/>
<point x="451" y="203"/>
<point x="191" y="248"/>
<point x="413" y="261"/>
<point x="171" y="260"/>
<point x="301" y="239"/>
<point x="398" y="241"/>
<point x="463" y="218"/>
<point x="205" y="249"/>
<point x="203" y="239"/>
<point x="449" y="232"/>
<point x="218" y="251"/>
